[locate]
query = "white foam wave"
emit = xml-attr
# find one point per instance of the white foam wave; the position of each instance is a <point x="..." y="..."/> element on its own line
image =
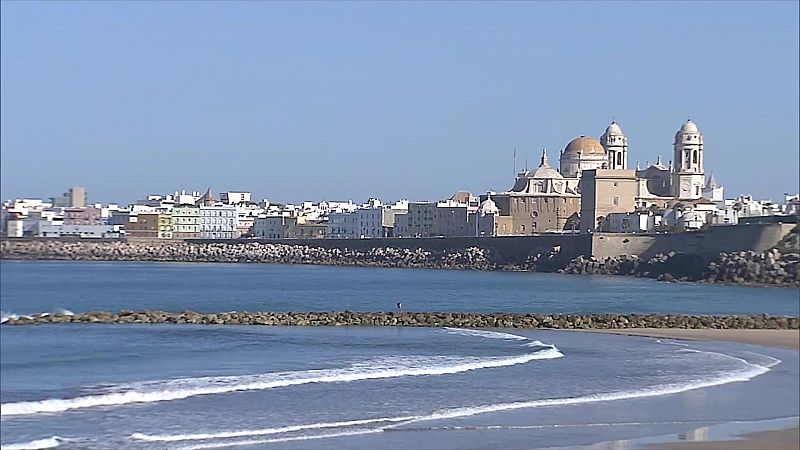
<point x="748" y="371"/>
<point x="485" y="334"/>
<point x="6" y="316"/>
<point x="264" y="431"/>
<point x="50" y="442"/>
<point x="178" y="389"/>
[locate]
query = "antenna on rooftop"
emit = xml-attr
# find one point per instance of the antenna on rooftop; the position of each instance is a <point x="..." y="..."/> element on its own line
<point x="515" y="161"/>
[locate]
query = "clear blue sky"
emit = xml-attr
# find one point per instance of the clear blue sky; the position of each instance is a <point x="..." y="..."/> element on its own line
<point x="397" y="100"/>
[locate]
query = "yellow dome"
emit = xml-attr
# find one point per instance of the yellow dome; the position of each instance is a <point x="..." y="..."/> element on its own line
<point x="585" y="145"/>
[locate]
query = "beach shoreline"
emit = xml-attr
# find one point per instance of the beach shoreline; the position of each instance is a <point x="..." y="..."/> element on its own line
<point x="783" y="439"/>
<point x="770" y="338"/>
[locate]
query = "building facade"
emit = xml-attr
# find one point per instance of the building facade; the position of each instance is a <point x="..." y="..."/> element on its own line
<point x="83" y="216"/>
<point x="541" y="200"/>
<point x="218" y="222"/>
<point x="186" y="222"/>
<point x="274" y="227"/>
<point x="605" y="191"/>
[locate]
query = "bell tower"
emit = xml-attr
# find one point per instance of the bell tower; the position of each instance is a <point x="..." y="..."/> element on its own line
<point x="688" y="176"/>
<point x="616" y="145"/>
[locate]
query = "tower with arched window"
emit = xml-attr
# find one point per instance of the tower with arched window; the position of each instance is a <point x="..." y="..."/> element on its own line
<point x="688" y="177"/>
<point x="616" y="145"/>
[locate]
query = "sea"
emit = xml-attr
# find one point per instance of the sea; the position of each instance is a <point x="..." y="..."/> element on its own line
<point x="78" y="386"/>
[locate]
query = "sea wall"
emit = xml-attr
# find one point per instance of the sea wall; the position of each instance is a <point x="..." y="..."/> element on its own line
<point x="707" y="242"/>
<point x="771" y="267"/>
<point x="419" y="319"/>
<point x="748" y="268"/>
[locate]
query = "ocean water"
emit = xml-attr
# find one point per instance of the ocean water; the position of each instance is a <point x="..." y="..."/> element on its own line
<point x="191" y="387"/>
<point x="42" y="286"/>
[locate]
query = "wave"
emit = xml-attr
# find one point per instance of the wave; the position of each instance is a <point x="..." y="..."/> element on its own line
<point x="748" y="372"/>
<point x="6" y="316"/>
<point x="177" y="389"/>
<point x="262" y="432"/>
<point x="50" y="442"/>
<point x="485" y="334"/>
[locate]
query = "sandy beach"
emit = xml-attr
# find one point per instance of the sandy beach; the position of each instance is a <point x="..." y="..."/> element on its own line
<point x="787" y="439"/>
<point x="771" y="338"/>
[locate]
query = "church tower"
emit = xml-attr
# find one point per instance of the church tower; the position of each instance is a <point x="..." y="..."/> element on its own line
<point x="688" y="177"/>
<point x="616" y="145"/>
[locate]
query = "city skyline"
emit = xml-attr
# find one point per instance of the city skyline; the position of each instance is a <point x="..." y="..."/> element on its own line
<point x="350" y="101"/>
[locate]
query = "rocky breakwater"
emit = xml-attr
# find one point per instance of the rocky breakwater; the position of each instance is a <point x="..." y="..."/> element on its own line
<point x="418" y="319"/>
<point x="767" y="268"/>
<point x="473" y="258"/>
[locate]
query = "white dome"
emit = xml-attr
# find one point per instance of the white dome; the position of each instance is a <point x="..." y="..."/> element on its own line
<point x="689" y="127"/>
<point x="488" y="207"/>
<point x="614" y="129"/>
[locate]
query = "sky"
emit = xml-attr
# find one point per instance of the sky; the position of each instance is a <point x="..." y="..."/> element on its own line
<point x="338" y="101"/>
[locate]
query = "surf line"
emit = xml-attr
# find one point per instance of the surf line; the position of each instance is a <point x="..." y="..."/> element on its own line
<point x="220" y="385"/>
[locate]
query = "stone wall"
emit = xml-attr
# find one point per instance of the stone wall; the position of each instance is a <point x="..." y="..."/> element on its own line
<point x="562" y="254"/>
<point x="752" y="268"/>
<point x="420" y="319"/>
<point x="711" y="241"/>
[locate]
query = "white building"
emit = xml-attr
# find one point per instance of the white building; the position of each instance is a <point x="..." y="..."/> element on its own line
<point x="235" y="198"/>
<point x="615" y="144"/>
<point x="218" y="222"/>
<point x="343" y="225"/>
<point x="633" y="222"/>
<point x="688" y="177"/>
<point x="273" y="227"/>
<point x="81" y="231"/>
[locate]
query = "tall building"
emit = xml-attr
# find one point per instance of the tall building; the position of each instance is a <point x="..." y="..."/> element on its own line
<point x="615" y="144"/>
<point x="75" y="197"/>
<point x="603" y="192"/>
<point x="688" y="177"/>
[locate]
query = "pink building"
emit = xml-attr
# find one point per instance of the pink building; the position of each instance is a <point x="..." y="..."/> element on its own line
<point x="82" y="216"/>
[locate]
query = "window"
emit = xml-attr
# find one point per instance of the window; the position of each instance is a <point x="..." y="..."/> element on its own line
<point x="694" y="156"/>
<point x="616" y="183"/>
<point x="615" y="201"/>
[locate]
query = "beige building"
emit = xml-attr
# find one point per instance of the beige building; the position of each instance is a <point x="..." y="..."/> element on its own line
<point x="606" y="191"/>
<point x="150" y="226"/>
<point x="309" y="231"/>
<point x="542" y="200"/>
<point x="273" y="227"/>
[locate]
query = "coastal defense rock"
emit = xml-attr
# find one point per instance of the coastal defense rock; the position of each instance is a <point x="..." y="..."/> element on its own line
<point x="767" y="268"/>
<point x="773" y="267"/>
<point x="420" y="319"/>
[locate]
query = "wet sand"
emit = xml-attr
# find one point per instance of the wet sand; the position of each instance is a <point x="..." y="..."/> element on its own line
<point x="770" y="338"/>
<point x="787" y="439"/>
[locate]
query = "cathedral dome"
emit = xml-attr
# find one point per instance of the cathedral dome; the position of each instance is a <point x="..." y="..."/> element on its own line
<point x="613" y="129"/>
<point x="689" y="127"/>
<point x="584" y="145"/>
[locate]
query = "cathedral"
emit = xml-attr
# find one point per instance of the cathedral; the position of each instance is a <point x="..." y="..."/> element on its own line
<point x="546" y="199"/>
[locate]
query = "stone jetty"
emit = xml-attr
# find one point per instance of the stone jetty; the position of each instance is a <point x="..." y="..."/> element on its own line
<point x="773" y="267"/>
<point x="418" y="319"/>
<point x="245" y="252"/>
